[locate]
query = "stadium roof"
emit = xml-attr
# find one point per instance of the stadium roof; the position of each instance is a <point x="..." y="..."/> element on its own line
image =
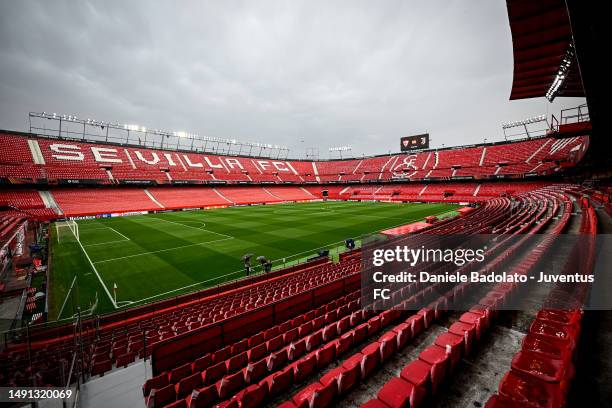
<point x="544" y="58"/>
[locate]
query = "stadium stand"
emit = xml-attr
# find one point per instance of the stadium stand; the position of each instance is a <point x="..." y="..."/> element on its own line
<point x="56" y="159"/>
<point x="101" y="201"/>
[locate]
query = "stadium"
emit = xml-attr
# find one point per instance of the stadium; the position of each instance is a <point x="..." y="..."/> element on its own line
<point x="159" y="268"/>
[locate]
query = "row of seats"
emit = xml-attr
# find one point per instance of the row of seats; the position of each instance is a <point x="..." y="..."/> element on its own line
<point x="221" y="374"/>
<point x="92" y="201"/>
<point x="542" y="370"/>
<point x="70" y="160"/>
<point x="120" y="344"/>
<point x="424" y="374"/>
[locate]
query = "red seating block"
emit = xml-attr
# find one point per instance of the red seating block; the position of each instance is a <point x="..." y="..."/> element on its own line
<point x="475" y="320"/>
<point x="371" y="359"/>
<point x="417" y="372"/>
<point x="254" y="372"/>
<point x="527" y="390"/>
<point x="453" y="345"/>
<point x="257" y="352"/>
<point x="501" y="401"/>
<point x="214" y="373"/>
<point x="344" y="343"/>
<point x="182" y="403"/>
<point x="179" y="373"/>
<point x="314" y="340"/>
<point x="388" y="345"/>
<point x="315" y="395"/>
<point x="203" y="397"/>
<point x="416" y="323"/>
<point x="279" y="382"/>
<point x="222" y="355"/>
<point x="159" y="381"/>
<point x="330" y="332"/>
<point x="465" y="330"/>
<point x="345" y="379"/>
<point x="240" y="346"/>
<point x="188" y="384"/>
<point x="252" y="396"/>
<point x="360" y="333"/>
<point x="325" y="355"/>
<point x="290" y="336"/>
<point x="230" y="384"/>
<point x="550" y="348"/>
<point x="277" y="360"/>
<point x="202" y="363"/>
<point x="237" y="362"/>
<point x="304" y="367"/>
<point x="296" y="350"/>
<point x="398" y="393"/>
<point x="101" y="367"/>
<point x="538" y="366"/>
<point x="275" y="343"/>
<point x="404" y="334"/>
<point x="438" y="359"/>
<point x="160" y="397"/>
<point x="374" y="403"/>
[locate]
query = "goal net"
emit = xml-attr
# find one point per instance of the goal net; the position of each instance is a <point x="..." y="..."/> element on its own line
<point x="67" y="230"/>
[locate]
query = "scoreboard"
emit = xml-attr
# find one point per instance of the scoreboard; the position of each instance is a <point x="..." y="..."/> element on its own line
<point x="415" y="142"/>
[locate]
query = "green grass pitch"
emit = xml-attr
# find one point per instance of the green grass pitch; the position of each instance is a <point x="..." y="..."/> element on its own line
<point x="156" y="256"/>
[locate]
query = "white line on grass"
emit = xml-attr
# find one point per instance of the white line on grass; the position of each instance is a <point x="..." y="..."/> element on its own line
<point x="66" y="298"/>
<point x="107" y="242"/>
<point x="97" y="274"/>
<point x="189" y="226"/>
<point x="163" y="250"/>
<point x="119" y="233"/>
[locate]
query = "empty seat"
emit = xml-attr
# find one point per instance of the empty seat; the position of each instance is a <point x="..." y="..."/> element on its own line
<point x="188" y="384"/>
<point x="214" y="373"/>
<point x="178" y="373"/>
<point x="453" y="345"/>
<point x="371" y="359"/>
<point x="159" y="381"/>
<point x="203" y="397"/>
<point x="254" y="372"/>
<point x="304" y="367"/>
<point x="325" y="355"/>
<point x="438" y="359"/>
<point x="252" y="396"/>
<point x="345" y="378"/>
<point x="160" y="397"/>
<point x="398" y="393"/>
<point x="279" y="382"/>
<point x="237" y="362"/>
<point x="230" y="384"/>
<point x="417" y="372"/>
<point x="315" y="395"/>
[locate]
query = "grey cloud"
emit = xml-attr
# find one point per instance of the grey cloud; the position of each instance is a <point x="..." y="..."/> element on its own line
<point x="362" y="73"/>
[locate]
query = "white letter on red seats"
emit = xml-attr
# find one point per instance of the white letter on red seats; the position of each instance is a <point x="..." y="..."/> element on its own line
<point x="154" y="160"/>
<point x="69" y="152"/>
<point x="105" y="155"/>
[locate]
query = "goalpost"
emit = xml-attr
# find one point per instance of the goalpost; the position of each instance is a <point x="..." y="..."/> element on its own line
<point x="60" y="229"/>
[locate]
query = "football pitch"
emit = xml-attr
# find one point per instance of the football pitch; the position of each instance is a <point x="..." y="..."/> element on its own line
<point x="156" y="256"/>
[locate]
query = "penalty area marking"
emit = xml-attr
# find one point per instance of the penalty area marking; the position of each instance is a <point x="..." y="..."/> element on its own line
<point x="164" y="250"/>
<point x="125" y="239"/>
<point x="189" y="226"/>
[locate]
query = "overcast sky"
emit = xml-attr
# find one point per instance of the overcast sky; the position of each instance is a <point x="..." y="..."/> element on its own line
<point x="298" y="73"/>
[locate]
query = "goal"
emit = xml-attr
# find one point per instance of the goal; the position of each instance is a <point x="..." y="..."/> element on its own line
<point x="67" y="230"/>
